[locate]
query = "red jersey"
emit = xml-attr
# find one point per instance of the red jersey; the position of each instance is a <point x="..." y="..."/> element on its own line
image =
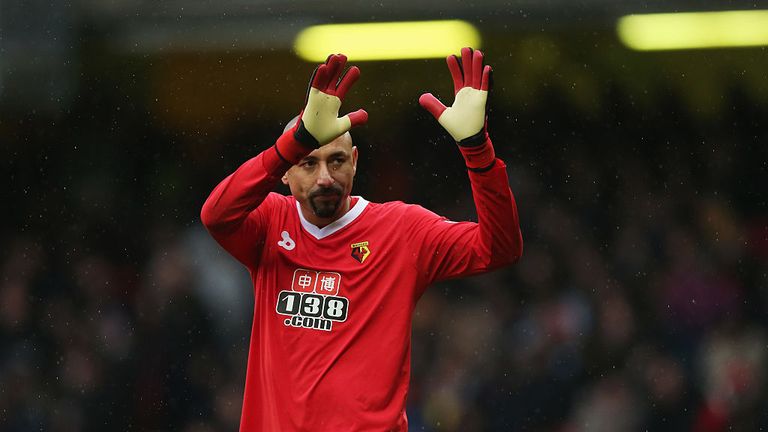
<point x="331" y="339"/>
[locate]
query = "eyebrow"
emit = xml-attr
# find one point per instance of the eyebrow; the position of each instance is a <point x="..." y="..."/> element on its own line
<point x="332" y="155"/>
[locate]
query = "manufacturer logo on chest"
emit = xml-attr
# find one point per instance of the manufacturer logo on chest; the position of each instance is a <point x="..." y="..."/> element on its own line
<point x="287" y="242"/>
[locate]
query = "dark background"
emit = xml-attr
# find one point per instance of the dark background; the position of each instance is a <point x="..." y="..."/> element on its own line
<point x="640" y="301"/>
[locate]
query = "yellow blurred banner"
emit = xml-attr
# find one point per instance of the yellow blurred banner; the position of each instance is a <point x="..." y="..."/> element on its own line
<point x="386" y="41"/>
<point x="694" y="30"/>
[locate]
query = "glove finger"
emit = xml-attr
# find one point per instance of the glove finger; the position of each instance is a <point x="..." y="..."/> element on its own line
<point x="466" y="63"/>
<point x="455" y="67"/>
<point x="431" y="104"/>
<point x="320" y="77"/>
<point x="357" y="118"/>
<point x="312" y="79"/>
<point x="477" y="69"/>
<point x="487" y="78"/>
<point x="345" y="82"/>
<point x="335" y="67"/>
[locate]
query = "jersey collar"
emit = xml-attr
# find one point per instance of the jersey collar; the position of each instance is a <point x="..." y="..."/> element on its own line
<point x="320" y="233"/>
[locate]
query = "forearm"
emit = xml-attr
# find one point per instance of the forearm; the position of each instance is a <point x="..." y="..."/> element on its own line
<point x="241" y="192"/>
<point x="498" y="236"/>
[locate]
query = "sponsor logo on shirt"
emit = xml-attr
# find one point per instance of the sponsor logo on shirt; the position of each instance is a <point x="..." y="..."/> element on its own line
<point x="313" y="301"/>
<point x="360" y="251"/>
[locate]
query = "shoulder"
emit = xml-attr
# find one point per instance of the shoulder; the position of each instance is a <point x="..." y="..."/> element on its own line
<point x="389" y="207"/>
<point x="273" y="205"/>
<point x="403" y="211"/>
<point x="279" y="200"/>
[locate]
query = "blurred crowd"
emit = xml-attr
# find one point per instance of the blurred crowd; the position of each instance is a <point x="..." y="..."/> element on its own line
<point x="639" y="303"/>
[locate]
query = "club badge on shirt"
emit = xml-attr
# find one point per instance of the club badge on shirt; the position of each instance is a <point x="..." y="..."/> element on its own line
<point x="360" y="251"/>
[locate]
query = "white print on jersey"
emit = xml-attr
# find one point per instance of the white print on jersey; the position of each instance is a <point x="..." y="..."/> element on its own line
<point x="287" y="243"/>
<point x="313" y="301"/>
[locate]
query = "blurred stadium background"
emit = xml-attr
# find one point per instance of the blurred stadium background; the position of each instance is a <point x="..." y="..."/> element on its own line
<point x="640" y="302"/>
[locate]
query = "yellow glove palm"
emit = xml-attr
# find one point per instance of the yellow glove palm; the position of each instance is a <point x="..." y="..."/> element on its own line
<point x="466" y="117"/>
<point x="320" y="122"/>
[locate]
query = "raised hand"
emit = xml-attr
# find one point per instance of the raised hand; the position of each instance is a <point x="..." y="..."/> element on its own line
<point x="320" y="122"/>
<point x="465" y="120"/>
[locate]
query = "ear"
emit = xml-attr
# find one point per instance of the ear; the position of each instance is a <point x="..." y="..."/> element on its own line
<point x="354" y="159"/>
<point x="284" y="179"/>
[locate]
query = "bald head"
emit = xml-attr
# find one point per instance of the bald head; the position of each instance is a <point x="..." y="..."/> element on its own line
<point x="291" y="123"/>
<point x="344" y="140"/>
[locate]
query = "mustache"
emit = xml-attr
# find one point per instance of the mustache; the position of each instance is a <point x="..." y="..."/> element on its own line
<point x="327" y="191"/>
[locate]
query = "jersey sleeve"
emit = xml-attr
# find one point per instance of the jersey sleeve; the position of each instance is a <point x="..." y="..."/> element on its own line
<point x="237" y="211"/>
<point x="450" y="249"/>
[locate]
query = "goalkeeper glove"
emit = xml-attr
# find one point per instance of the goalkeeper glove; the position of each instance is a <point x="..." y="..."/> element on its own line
<point x="466" y="120"/>
<point x="319" y="122"/>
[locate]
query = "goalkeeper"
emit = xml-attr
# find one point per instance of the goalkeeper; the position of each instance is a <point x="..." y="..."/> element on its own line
<point x="336" y="277"/>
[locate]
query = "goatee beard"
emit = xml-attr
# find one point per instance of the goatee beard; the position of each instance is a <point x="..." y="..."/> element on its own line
<point x="325" y="208"/>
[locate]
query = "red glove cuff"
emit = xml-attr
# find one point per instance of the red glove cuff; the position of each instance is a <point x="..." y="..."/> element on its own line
<point x="286" y="152"/>
<point x="289" y="148"/>
<point x="480" y="157"/>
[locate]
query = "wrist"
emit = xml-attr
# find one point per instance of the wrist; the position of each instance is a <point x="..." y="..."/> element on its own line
<point x="478" y="152"/>
<point x="475" y="140"/>
<point x="302" y="135"/>
<point x="290" y="149"/>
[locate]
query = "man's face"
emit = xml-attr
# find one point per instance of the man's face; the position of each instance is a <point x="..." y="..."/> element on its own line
<point x="322" y="181"/>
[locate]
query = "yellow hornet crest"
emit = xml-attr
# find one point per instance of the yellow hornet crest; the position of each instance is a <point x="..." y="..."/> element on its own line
<point x="360" y="251"/>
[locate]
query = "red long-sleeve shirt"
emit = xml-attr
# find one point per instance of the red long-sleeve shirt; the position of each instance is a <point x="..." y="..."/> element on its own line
<point x="330" y="344"/>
